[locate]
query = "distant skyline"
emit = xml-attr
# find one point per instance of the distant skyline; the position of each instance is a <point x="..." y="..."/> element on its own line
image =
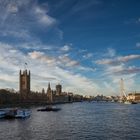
<point x="85" y="45"/>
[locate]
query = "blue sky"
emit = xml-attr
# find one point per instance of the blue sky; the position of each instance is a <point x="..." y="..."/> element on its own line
<point x="86" y="45"/>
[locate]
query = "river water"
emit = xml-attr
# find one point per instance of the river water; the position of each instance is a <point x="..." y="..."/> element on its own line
<point x="76" y="121"/>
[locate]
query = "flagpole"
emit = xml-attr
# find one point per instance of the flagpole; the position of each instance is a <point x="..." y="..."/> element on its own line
<point x="25" y="64"/>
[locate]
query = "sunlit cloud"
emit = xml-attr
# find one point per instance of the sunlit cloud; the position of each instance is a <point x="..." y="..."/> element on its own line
<point x="122" y="70"/>
<point x="42" y="57"/>
<point x="118" y="60"/>
<point x="67" y="61"/>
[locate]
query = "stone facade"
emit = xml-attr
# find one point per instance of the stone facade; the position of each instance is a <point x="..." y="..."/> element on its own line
<point x="133" y="97"/>
<point x="24" y="84"/>
<point x="58" y="89"/>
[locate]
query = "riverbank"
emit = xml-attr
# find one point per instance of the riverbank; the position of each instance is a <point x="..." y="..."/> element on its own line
<point x="27" y="105"/>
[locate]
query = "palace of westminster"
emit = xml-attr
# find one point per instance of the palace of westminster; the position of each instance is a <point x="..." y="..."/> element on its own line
<point x="26" y="96"/>
<point x="51" y="96"/>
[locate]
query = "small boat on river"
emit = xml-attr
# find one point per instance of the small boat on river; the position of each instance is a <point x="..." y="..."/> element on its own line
<point x="133" y="102"/>
<point x="2" y="114"/>
<point x="14" y="113"/>
<point x="130" y="102"/>
<point x="23" y="113"/>
<point x="49" y="108"/>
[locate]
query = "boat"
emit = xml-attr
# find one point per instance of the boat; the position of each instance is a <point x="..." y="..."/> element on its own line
<point x="127" y="102"/>
<point x="130" y="102"/>
<point x="14" y="113"/>
<point x="23" y="113"/>
<point x="49" y="108"/>
<point x="2" y="114"/>
<point x="133" y="102"/>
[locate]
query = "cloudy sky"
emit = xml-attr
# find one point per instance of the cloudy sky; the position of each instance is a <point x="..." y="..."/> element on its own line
<point x="86" y="45"/>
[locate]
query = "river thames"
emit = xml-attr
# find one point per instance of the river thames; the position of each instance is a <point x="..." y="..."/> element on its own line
<point x="76" y="121"/>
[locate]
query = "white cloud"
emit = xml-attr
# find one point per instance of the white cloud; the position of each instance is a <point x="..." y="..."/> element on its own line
<point x="78" y="83"/>
<point x="9" y="55"/>
<point x="23" y="34"/>
<point x="138" y="44"/>
<point x="12" y="60"/>
<point x="122" y="69"/>
<point x="117" y="60"/>
<point x="115" y="68"/>
<point x="129" y="82"/>
<point x="12" y="8"/>
<point x="20" y="19"/>
<point x="65" y="48"/>
<point x="110" y="88"/>
<point x="111" y="52"/>
<point x="37" y="55"/>
<point x="88" y="55"/>
<point x="43" y="17"/>
<point x="115" y="73"/>
<point x="64" y="59"/>
<point x="128" y="58"/>
<point x="7" y="78"/>
<point x="35" y="45"/>
<point x="106" y="62"/>
<point x="53" y="60"/>
<point x="87" y="68"/>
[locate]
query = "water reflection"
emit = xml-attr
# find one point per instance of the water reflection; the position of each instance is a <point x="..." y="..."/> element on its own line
<point x="76" y="121"/>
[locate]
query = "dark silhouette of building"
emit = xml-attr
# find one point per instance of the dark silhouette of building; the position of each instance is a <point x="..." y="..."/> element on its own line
<point x="43" y="91"/>
<point x="24" y="84"/>
<point x="58" y="89"/>
<point x="49" y="94"/>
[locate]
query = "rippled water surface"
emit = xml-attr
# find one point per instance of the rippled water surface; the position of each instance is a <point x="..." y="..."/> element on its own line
<point x="77" y="121"/>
